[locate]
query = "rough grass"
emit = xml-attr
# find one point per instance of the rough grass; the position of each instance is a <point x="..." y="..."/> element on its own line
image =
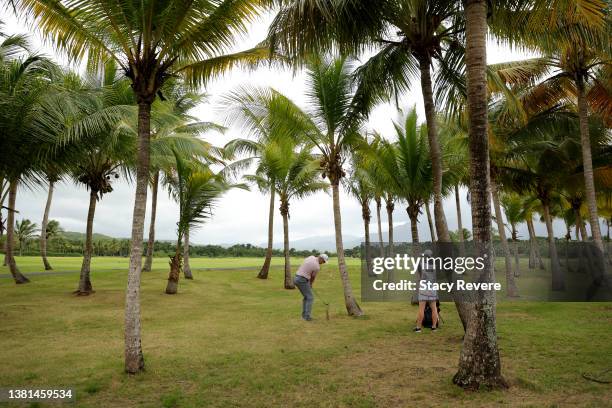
<point x="228" y="339"/>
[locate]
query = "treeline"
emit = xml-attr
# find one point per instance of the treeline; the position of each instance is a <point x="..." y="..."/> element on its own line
<point x="61" y="246"/>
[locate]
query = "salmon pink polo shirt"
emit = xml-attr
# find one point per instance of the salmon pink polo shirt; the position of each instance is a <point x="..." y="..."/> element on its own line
<point x="309" y="268"/>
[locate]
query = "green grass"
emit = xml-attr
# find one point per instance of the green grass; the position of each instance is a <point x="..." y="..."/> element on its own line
<point x="231" y="340"/>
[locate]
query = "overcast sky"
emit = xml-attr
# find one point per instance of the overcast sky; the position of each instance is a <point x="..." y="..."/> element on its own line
<point x="240" y="217"/>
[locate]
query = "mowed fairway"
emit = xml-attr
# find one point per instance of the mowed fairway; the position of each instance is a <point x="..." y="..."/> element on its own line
<point x="228" y="339"/>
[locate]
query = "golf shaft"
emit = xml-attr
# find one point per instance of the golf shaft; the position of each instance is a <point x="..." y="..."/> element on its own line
<point x="324" y="302"/>
<point x="317" y="295"/>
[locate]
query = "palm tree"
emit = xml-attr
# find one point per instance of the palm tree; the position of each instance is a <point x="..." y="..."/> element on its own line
<point x="333" y="129"/>
<point x="103" y="156"/>
<point x="479" y="363"/>
<point x="173" y="127"/>
<point x="151" y="43"/>
<point x="406" y="165"/>
<point x="411" y="35"/>
<point x="53" y="230"/>
<point x="295" y="175"/>
<point x="24" y="82"/>
<point x="332" y="124"/>
<point x="25" y="231"/>
<point x="254" y="110"/>
<point x="360" y="185"/>
<point x="52" y="179"/>
<point x="511" y="289"/>
<point x="574" y="39"/>
<point x="515" y="214"/>
<point x="195" y="188"/>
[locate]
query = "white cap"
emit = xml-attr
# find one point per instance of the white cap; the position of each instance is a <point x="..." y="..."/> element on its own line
<point x="324" y="257"/>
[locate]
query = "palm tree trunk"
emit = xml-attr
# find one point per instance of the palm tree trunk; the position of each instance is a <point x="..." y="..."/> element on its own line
<point x="10" y="235"/>
<point x="390" y="207"/>
<point x="186" y="266"/>
<point x="414" y="230"/>
<point x="151" y="242"/>
<point x="432" y="230"/>
<point x="43" y="228"/>
<point x="85" y="287"/>
<point x="511" y="289"/>
<point x="134" y="360"/>
<point x="434" y="148"/>
<point x="352" y="307"/>
<point x="479" y="362"/>
<point x="558" y="280"/>
<point x="534" y="247"/>
<point x="365" y="211"/>
<point x="580" y="225"/>
<point x="288" y="284"/>
<point x="175" y="269"/>
<point x="265" y="269"/>
<point x="517" y="267"/>
<point x="587" y="162"/>
<point x="459" y="220"/>
<point x="379" y="224"/>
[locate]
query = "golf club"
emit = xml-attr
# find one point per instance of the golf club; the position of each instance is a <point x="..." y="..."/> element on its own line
<point x="324" y="302"/>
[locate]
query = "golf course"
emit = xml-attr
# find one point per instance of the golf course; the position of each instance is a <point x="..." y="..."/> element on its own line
<point x="228" y="339"/>
<point x="305" y="203"/>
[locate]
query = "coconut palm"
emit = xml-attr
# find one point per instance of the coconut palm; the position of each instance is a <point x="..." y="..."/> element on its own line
<point x="196" y="189"/>
<point x="295" y="174"/>
<point x="411" y="35"/>
<point x="479" y="363"/>
<point x="408" y="166"/>
<point x="151" y="43"/>
<point x="51" y="179"/>
<point x="100" y="165"/>
<point x="24" y="82"/>
<point x="173" y="127"/>
<point x="360" y="185"/>
<point x="332" y="124"/>
<point x="254" y="110"/>
<point x="25" y="230"/>
<point x="515" y="214"/>
<point x="575" y="66"/>
<point x="334" y="128"/>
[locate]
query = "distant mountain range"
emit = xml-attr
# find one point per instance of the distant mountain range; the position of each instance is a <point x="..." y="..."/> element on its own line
<point x="401" y="233"/>
<point x="80" y="236"/>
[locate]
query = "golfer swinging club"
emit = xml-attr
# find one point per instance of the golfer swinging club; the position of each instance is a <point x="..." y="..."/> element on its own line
<point x="305" y="277"/>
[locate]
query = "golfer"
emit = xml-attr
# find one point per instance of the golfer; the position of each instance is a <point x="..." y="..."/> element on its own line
<point x="428" y="274"/>
<point x="305" y="277"/>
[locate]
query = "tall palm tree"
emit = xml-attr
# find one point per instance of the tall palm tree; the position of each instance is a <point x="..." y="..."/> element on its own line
<point x="25" y="79"/>
<point x="334" y="129"/>
<point x="151" y="43"/>
<point x="254" y="110"/>
<point x="104" y="154"/>
<point x="173" y="127"/>
<point x="295" y="174"/>
<point x="511" y="288"/>
<point x="25" y="230"/>
<point x="411" y="35"/>
<point x="515" y="214"/>
<point x="359" y="185"/>
<point x="195" y="188"/>
<point x="52" y="179"/>
<point x="407" y="166"/>
<point x="479" y="363"/>
<point x="574" y="39"/>
<point x="332" y="124"/>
